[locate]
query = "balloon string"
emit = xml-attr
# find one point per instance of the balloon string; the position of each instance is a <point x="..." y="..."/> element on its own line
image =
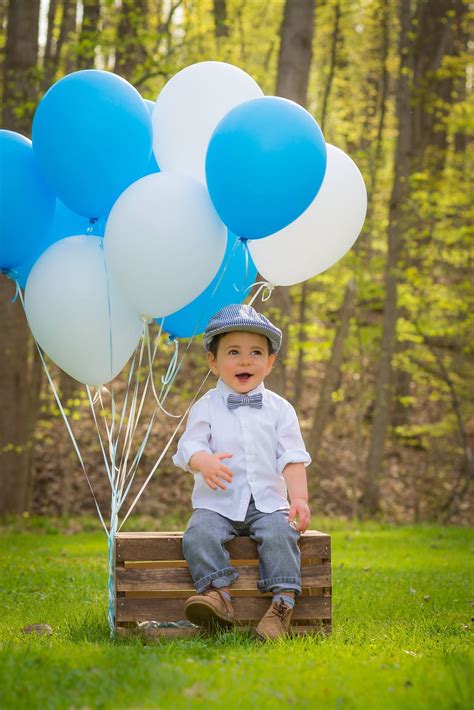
<point x="267" y="293"/>
<point x="159" y="401"/>
<point x="247" y="254"/>
<point x="170" y="441"/>
<point x="132" y="419"/>
<point x="111" y="431"/>
<point x="226" y="266"/>
<point x="134" y="416"/>
<point x="124" y="472"/>
<point x="134" y="466"/>
<point x="239" y="241"/>
<point x="12" y="274"/>
<point x="133" y="368"/>
<point x="109" y="306"/>
<point x="17" y="291"/>
<point x="170" y="373"/>
<point x="265" y="287"/>
<point x="92" y="223"/>
<point x="68" y="427"/>
<point x="198" y="321"/>
<point x="111" y="606"/>
<point x="102" y="448"/>
<point x="170" y="376"/>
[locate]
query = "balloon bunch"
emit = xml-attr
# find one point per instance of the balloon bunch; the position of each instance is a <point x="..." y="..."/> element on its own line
<point x="122" y="211"/>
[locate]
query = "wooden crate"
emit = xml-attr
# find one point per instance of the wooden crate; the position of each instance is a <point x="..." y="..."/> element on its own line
<point x="153" y="582"/>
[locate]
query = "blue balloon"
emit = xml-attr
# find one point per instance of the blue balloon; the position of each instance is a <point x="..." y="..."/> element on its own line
<point x="152" y="166"/>
<point x="264" y="166"/>
<point x="92" y="136"/>
<point x="230" y="285"/>
<point x="26" y="201"/>
<point x="65" y="224"/>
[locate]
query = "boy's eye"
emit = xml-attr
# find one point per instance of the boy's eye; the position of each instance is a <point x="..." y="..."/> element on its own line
<point x="256" y="352"/>
<point x="233" y="352"/>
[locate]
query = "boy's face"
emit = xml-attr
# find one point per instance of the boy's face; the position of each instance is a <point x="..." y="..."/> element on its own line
<point x="242" y="361"/>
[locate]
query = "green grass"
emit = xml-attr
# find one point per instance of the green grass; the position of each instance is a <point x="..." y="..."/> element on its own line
<point x="401" y="639"/>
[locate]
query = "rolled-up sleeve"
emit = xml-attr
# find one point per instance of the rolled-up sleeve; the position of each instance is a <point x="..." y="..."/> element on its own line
<point x="291" y="448"/>
<point x="196" y="436"/>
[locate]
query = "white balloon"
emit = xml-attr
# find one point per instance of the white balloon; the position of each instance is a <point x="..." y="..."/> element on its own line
<point x="77" y="315"/>
<point x="164" y="243"/>
<point x="188" y="109"/>
<point x="323" y="233"/>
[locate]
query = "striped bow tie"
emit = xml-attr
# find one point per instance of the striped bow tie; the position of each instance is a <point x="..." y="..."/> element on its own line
<point x="244" y="400"/>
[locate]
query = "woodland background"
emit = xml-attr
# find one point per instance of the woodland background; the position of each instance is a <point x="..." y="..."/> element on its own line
<point x="379" y="350"/>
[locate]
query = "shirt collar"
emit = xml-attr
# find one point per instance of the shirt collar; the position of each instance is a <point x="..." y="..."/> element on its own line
<point x="225" y="390"/>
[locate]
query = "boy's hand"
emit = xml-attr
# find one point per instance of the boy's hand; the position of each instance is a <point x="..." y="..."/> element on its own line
<point x="299" y="509"/>
<point x="212" y="469"/>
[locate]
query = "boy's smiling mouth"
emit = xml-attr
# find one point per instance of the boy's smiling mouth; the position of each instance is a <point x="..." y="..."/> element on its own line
<point x="243" y="376"/>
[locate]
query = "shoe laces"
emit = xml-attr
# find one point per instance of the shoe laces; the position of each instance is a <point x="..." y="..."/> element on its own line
<point x="280" y="609"/>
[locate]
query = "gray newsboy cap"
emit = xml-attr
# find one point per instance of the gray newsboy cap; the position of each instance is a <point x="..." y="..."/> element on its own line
<point x="241" y="317"/>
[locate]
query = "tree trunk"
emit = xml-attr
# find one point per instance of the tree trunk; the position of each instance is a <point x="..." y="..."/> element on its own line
<point x="221" y="28"/>
<point x="89" y="36"/>
<point x="332" y="66"/>
<point x="294" y="63"/>
<point x="19" y="385"/>
<point x="62" y="12"/>
<point x="48" y="60"/>
<point x="305" y="288"/>
<point x="130" y="52"/>
<point x="436" y="39"/>
<point x="20" y="68"/>
<point x="461" y="44"/>
<point x="333" y="370"/>
<point x="19" y="377"/>
<point x="299" y="374"/>
<point x="66" y="18"/>
<point x="67" y="28"/>
<point x="397" y="225"/>
<point x="333" y="373"/>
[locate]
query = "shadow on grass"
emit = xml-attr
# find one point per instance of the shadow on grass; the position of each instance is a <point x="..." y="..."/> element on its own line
<point x="92" y="628"/>
<point x="89" y="627"/>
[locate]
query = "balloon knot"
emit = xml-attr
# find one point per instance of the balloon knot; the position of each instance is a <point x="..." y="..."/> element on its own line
<point x="267" y="291"/>
<point x="10" y="273"/>
<point x="92" y="223"/>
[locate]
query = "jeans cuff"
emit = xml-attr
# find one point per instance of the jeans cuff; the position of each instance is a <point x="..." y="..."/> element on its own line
<point x="278" y="584"/>
<point x="222" y="578"/>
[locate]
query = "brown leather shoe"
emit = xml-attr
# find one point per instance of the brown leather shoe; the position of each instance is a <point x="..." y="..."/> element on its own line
<point x="276" y="621"/>
<point x="210" y="610"/>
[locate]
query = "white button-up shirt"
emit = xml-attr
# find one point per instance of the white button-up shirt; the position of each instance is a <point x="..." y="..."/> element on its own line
<point x="262" y="442"/>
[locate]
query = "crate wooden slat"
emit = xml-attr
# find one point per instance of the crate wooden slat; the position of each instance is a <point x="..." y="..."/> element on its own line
<point x="168" y="546"/>
<point x="179" y="632"/>
<point x="153" y="583"/>
<point x="185" y="593"/>
<point x="129" y="580"/>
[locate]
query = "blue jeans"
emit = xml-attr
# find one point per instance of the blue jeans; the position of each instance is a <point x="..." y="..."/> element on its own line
<point x="278" y="550"/>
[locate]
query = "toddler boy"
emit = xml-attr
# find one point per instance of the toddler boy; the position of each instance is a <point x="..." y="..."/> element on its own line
<point x="243" y="444"/>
